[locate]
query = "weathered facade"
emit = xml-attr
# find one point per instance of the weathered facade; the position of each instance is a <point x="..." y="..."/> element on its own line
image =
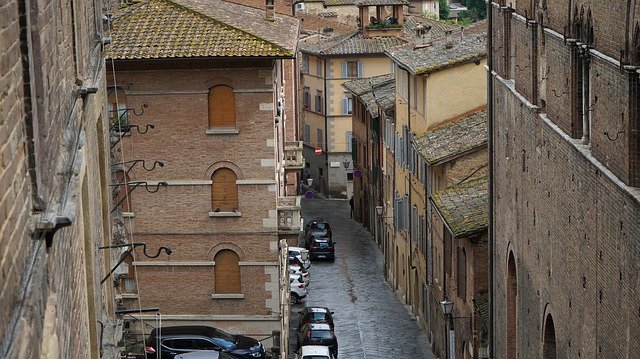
<point x="54" y="189"/>
<point x="565" y="179"/>
<point x="226" y="199"/>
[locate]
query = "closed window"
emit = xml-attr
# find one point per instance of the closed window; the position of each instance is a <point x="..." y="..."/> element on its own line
<point x="319" y="100"/>
<point x="224" y="191"/>
<point x="305" y="64"/>
<point x="320" y="138"/>
<point x="222" y="106"/>
<point x="227" y="272"/>
<point x="307" y="134"/>
<point x="462" y="274"/>
<point x="347" y="104"/>
<point x="351" y="69"/>
<point x="319" y="67"/>
<point x="306" y="99"/>
<point x="349" y="138"/>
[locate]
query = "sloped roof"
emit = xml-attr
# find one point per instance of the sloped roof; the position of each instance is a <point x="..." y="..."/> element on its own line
<point x="427" y="59"/>
<point x="453" y="138"/>
<point x="381" y="2"/>
<point x="316" y="24"/>
<point x="438" y="27"/>
<point x="155" y="29"/>
<point x="374" y="92"/>
<point x="349" y="44"/>
<point x="339" y="2"/>
<point x="464" y="207"/>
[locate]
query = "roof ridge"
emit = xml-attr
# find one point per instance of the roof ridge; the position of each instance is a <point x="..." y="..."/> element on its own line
<point x="344" y="38"/>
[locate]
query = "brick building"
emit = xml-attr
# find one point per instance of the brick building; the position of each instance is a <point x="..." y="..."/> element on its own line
<point x="224" y="129"/>
<point x="566" y="171"/>
<point x="54" y="189"/>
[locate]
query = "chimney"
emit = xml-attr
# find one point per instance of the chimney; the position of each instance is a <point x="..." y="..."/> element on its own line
<point x="449" y="35"/>
<point x="423" y="37"/>
<point x="270" y="10"/>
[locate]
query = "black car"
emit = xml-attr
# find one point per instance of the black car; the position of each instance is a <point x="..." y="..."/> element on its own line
<point x="321" y="234"/>
<point x="168" y="342"/>
<point x="316" y="315"/>
<point x="318" y="225"/>
<point x="322" y="248"/>
<point x="318" y="334"/>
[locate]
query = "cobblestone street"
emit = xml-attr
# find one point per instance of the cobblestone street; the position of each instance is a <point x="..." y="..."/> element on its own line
<point x="370" y="321"/>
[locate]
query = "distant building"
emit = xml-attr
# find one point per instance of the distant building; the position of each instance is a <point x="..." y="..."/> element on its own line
<point x="219" y="93"/>
<point x="566" y="179"/>
<point x="56" y="299"/>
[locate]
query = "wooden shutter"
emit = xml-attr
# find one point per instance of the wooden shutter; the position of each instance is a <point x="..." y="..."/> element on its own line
<point x="222" y="107"/>
<point x="227" y="272"/>
<point x="224" y="191"/>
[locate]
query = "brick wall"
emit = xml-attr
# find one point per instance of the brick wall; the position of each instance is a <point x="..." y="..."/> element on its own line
<point x="55" y="164"/>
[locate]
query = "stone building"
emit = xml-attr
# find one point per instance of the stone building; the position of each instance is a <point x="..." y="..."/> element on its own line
<point x="54" y="183"/>
<point x="566" y="172"/>
<point x="224" y="128"/>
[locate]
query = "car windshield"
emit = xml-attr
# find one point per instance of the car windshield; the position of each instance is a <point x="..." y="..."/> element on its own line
<point x="222" y="335"/>
<point x="321" y="334"/>
<point x="319" y="233"/>
<point x="322" y="225"/>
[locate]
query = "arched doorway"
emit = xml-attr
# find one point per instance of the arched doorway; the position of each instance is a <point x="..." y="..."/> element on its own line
<point x="549" y="345"/>
<point x="512" y="296"/>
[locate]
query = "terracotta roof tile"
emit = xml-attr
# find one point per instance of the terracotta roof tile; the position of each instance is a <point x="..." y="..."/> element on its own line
<point x="453" y="138"/>
<point x="199" y="28"/>
<point x="349" y="44"/>
<point x="464" y="207"/>
<point x="381" y="2"/>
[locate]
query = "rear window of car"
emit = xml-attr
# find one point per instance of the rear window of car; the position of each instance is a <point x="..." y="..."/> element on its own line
<point x="322" y="225"/>
<point x="322" y="244"/>
<point x="321" y="334"/>
<point x="319" y="316"/>
<point x="315" y="357"/>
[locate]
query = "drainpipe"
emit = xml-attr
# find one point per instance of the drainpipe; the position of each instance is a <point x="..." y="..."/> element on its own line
<point x="326" y="128"/>
<point x="490" y="168"/>
<point x="408" y="146"/>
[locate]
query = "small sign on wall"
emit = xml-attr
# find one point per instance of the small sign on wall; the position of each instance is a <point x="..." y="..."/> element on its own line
<point x="334" y="164"/>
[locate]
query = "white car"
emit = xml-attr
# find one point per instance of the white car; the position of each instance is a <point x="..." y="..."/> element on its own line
<point x="302" y="254"/>
<point x="295" y="270"/>
<point x="314" y="352"/>
<point x="298" y="289"/>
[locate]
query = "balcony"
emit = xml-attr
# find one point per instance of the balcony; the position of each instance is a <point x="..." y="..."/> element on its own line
<point x="289" y="218"/>
<point x="293" y="159"/>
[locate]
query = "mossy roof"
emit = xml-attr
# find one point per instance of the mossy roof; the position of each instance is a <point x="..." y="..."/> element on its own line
<point x="375" y="92"/>
<point x="464" y="207"/>
<point x="453" y="138"/>
<point x="437" y="54"/>
<point x="159" y="29"/>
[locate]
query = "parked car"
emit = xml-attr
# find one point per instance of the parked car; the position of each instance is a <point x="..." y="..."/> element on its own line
<point x="298" y="278"/>
<point x="318" y="225"/>
<point x="205" y="354"/>
<point x="298" y="289"/>
<point x="183" y="339"/>
<point x="318" y="334"/>
<point x="320" y="234"/>
<point x="314" y="352"/>
<point x="293" y="260"/>
<point x="322" y="248"/>
<point x="315" y="315"/>
<point x="297" y="270"/>
<point x="302" y="254"/>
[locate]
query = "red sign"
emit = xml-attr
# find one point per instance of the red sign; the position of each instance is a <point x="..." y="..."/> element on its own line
<point x="318" y="151"/>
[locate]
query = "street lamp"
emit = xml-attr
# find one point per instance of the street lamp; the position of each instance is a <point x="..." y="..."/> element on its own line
<point x="346" y="163"/>
<point x="447" y="306"/>
<point x="309" y="181"/>
<point x="379" y="210"/>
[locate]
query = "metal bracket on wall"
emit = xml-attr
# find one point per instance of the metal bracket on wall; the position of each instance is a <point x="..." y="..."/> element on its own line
<point x="151" y="188"/>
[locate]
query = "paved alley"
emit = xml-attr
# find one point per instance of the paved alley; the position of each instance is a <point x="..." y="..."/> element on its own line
<point x="370" y="321"/>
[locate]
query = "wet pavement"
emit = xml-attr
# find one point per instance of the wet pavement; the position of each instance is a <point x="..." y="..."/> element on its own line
<point x="370" y="321"/>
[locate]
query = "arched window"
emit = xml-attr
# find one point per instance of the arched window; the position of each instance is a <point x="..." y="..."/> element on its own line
<point x="462" y="274"/>
<point x="227" y="272"/>
<point x="512" y="292"/>
<point x="549" y="345"/>
<point x="222" y="107"/>
<point x="224" y="191"/>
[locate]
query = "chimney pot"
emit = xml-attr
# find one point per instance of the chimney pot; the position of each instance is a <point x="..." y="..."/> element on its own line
<point x="449" y="43"/>
<point x="270" y="10"/>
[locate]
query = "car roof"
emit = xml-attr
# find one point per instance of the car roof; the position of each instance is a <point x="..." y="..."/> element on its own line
<point x="185" y="330"/>
<point x="320" y="326"/>
<point x="318" y="309"/>
<point x="314" y="350"/>
<point x="298" y="249"/>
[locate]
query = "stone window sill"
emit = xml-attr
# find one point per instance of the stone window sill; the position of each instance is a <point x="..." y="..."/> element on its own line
<point x="225" y="214"/>
<point x="222" y="131"/>
<point x="128" y="214"/>
<point x="227" y="296"/>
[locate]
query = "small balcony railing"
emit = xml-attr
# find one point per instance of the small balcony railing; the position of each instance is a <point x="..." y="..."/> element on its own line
<point x="293" y="159"/>
<point x="289" y="218"/>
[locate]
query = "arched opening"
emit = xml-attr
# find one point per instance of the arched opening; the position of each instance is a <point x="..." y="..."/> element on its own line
<point x="227" y="272"/>
<point x="549" y="345"/>
<point x="224" y="191"/>
<point x="512" y="295"/>
<point x="222" y="106"/>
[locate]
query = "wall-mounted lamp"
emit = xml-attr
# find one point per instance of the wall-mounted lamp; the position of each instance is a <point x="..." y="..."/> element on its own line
<point x="447" y="306"/>
<point x="346" y="163"/>
<point x="379" y="210"/>
<point x="309" y="181"/>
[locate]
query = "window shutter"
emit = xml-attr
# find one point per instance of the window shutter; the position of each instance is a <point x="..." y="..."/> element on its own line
<point x="360" y="70"/>
<point x="345" y="106"/>
<point x="224" y="191"/>
<point x="227" y="272"/>
<point x="222" y="107"/>
<point x="344" y="69"/>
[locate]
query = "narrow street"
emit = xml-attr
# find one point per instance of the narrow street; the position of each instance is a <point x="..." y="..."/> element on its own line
<point x="370" y="321"/>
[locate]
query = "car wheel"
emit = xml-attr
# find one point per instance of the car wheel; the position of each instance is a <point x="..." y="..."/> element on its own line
<point x="294" y="298"/>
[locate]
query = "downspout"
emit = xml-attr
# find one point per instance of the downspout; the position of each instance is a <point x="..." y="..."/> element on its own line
<point x="326" y="128"/>
<point x="490" y="168"/>
<point x="408" y="145"/>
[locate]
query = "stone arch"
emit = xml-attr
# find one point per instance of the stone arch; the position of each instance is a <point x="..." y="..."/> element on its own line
<point x="219" y="81"/>
<point x="549" y="338"/>
<point x="512" y="302"/>
<point x="223" y="164"/>
<point x="226" y="245"/>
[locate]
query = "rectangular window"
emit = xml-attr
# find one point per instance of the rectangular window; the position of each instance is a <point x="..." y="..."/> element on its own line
<point x="349" y="138"/>
<point x="447" y="249"/>
<point x="347" y="104"/>
<point x="319" y="104"/>
<point x="307" y="134"/>
<point x="320" y="138"/>
<point x="352" y="68"/>
<point x="319" y="67"/>
<point x="305" y="64"/>
<point x="306" y="98"/>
